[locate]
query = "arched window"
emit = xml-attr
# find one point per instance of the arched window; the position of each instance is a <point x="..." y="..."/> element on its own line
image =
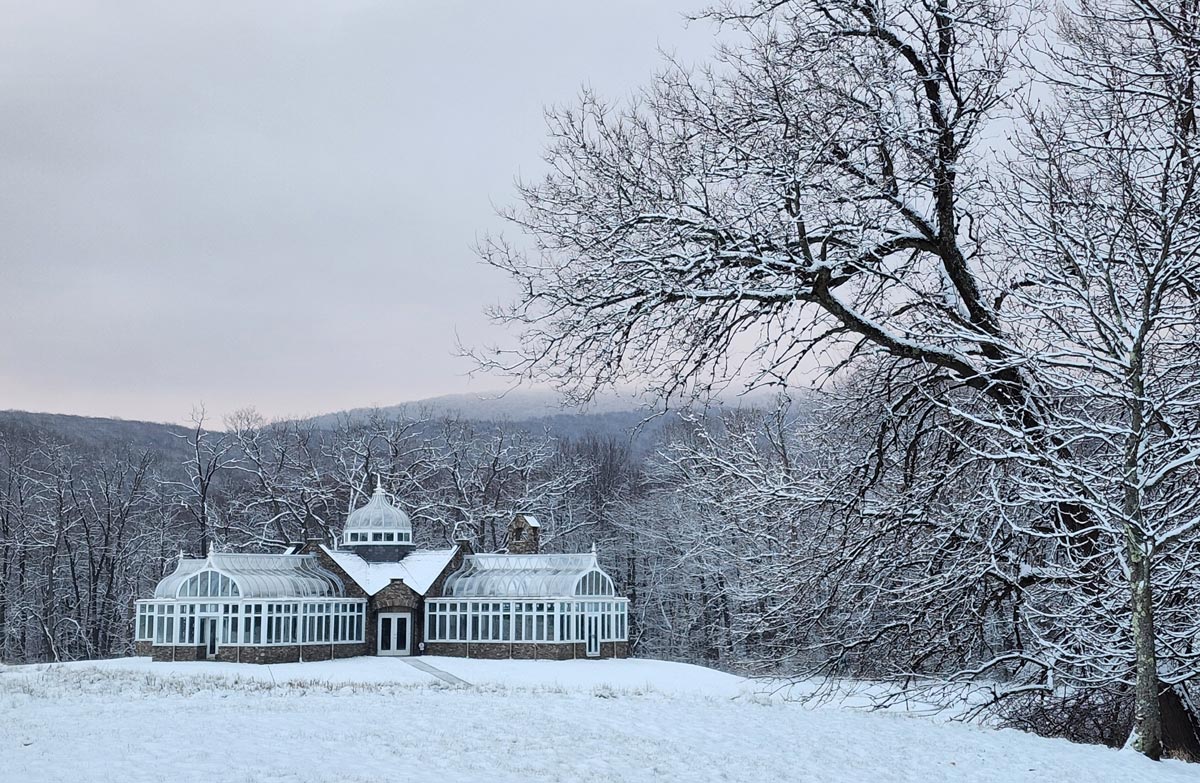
<point x="208" y="584"/>
<point x="594" y="583"/>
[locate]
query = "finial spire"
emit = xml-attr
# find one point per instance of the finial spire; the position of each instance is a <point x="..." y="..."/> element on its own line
<point x="378" y="485"/>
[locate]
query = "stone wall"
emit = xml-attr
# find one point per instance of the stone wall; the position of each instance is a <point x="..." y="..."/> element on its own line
<point x="288" y="653"/>
<point x="397" y="597"/>
<point x="542" y="652"/>
<point x="292" y="653"/>
<point x="325" y="652"/>
<point x="350" y="650"/>
<point x="177" y="653"/>
<point x="143" y="649"/>
<point x="523" y="650"/>
<point x="449" y="649"/>
<point x="229" y="654"/>
<point x="316" y="652"/>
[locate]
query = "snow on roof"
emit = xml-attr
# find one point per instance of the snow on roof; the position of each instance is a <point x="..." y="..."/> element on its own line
<point x="418" y="569"/>
<point x="531" y="520"/>
<point x="378" y="514"/>
<point x="256" y="576"/>
<point x="543" y="576"/>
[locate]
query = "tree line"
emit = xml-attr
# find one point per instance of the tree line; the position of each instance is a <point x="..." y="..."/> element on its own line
<point x="815" y="538"/>
<point x="977" y="223"/>
<point x="87" y="528"/>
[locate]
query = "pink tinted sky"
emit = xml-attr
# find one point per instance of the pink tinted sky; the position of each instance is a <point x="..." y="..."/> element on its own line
<point x="274" y="203"/>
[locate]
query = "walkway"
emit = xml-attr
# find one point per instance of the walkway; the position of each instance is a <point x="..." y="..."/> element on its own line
<point x="444" y="676"/>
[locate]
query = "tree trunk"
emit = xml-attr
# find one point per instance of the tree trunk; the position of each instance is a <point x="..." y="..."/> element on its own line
<point x="1147" y="716"/>
<point x="1180" y="724"/>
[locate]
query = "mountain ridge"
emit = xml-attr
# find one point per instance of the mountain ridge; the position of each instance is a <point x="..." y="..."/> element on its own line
<point x="527" y="408"/>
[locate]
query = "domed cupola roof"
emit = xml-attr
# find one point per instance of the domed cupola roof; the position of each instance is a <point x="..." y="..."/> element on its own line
<point x="379" y="516"/>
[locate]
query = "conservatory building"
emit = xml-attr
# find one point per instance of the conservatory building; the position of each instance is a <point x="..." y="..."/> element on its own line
<point x="528" y="606"/>
<point x="252" y="609"/>
<point x="376" y="593"/>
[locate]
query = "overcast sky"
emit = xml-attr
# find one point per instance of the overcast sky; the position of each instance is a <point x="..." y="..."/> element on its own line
<point x="274" y="203"/>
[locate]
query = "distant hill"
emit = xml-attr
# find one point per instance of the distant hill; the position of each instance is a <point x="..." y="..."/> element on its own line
<point x="522" y="405"/>
<point x="91" y="433"/>
<point x="531" y="410"/>
<point x="610" y="415"/>
<point x="517" y="405"/>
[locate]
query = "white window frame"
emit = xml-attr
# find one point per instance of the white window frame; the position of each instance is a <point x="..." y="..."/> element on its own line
<point x="528" y="620"/>
<point x="377" y="537"/>
<point x="166" y="622"/>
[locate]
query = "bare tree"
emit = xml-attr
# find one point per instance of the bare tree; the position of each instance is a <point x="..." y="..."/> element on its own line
<point x="826" y="186"/>
<point x="210" y="454"/>
<point x="1107" y="224"/>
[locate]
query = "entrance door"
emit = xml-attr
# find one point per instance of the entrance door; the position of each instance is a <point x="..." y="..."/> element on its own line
<point x="593" y="635"/>
<point x="392" y="635"/>
<point x="208" y="636"/>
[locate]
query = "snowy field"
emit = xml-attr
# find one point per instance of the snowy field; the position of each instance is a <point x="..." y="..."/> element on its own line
<point x="378" y="719"/>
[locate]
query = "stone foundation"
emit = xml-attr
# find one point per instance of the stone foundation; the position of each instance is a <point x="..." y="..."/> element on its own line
<point x="564" y="651"/>
<point x="143" y="649"/>
<point x="316" y="652"/>
<point x="449" y="649"/>
<point x="177" y="653"/>
<point x="293" y="653"/>
<point x="289" y="653"/>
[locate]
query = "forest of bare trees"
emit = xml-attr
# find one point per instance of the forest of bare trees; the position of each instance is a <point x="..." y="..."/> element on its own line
<point x="979" y="221"/>
<point x="86" y="528"/>
<point x="761" y="540"/>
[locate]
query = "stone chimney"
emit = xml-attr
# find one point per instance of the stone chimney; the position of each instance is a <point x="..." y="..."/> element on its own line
<point x="462" y="539"/>
<point x="523" y="535"/>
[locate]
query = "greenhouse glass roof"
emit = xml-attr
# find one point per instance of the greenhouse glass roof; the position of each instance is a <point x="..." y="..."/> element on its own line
<point x="544" y="576"/>
<point x="378" y="514"/>
<point x="250" y="576"/>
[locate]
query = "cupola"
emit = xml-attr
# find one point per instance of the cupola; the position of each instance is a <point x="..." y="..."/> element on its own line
<point x="378" y="530"/>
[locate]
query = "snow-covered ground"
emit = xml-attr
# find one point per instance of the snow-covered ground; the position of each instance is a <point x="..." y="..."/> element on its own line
<point x="379" y="719"/>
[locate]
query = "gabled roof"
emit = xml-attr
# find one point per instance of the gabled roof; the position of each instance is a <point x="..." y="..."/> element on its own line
<point x="542" y="576"/>
<point x="258" y="576"/>
<point x="418" y="570"/>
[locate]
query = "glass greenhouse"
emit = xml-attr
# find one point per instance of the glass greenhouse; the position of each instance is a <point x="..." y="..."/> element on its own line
<point x="519" y="599"/>
<point x="250" y="601"/>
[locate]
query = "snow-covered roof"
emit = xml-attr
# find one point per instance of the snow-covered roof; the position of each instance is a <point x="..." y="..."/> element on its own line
<point x="249" y="576"/>
<point x="418" y="569"/>
<point x="544" y="576"/>
<point x="378" y="514"/>
<point x="531" y="520"/>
